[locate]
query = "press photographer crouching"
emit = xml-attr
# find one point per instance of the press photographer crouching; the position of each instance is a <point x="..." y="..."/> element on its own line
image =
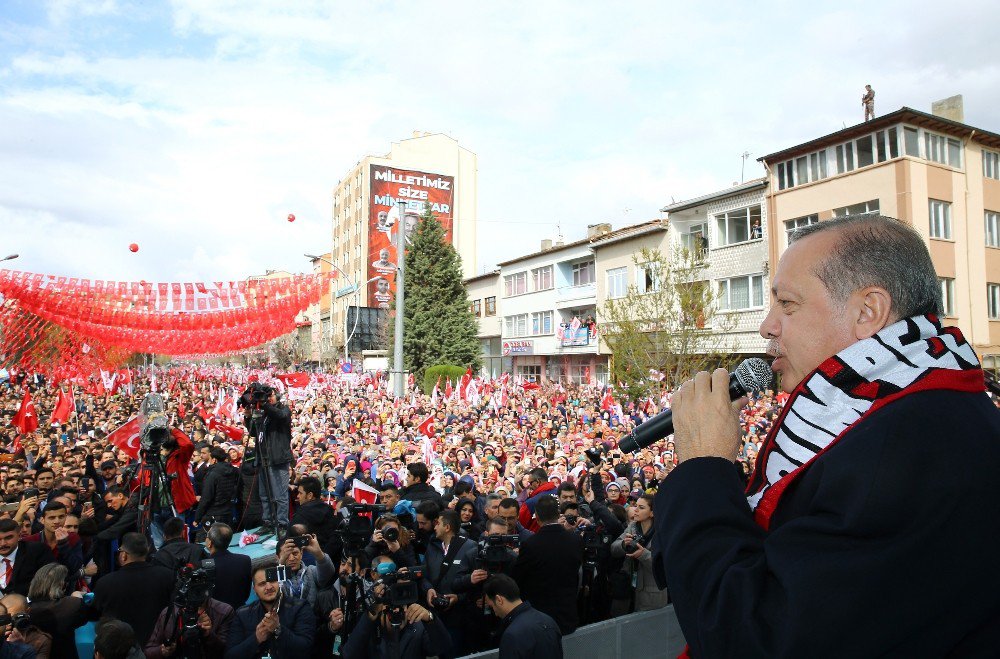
<point x="274" y="626"/>
<point x="194" y="625"/>
<point x="396" y="626"/>
<point x="270" y="426"/>
<point x="304" y="581"/>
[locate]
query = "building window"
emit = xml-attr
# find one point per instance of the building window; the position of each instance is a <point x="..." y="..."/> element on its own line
<point x="864" y="150"/>
<point x="993" y="301"/>
<point x="992" y="229"/>
<point x="798" y="223"/>
<point x="647" y="277"/>
<point x="738" y="226"/>
<point x="991" y="164"/>
<point x="845" y="158"/>
<point x="857" y="209"/>
<point x="476" y="307"/>
<point x="541" y="323"/>
<point x="542" y="278"/>
<point x="530" y="372"/>
<point x="695" y="241"/>
<point x="491" y="306"/>
<point x="617" y="282"/>
<point x="945" y="150"/>
<point x="804" y="169"/>
<point x="741" y="293"/>
<point x="940" y="213"/>
<point x="584" y="273"/>
<point x="947" y="295"/>
<point x="516" y="325"/>
<point x="515" y="284"/>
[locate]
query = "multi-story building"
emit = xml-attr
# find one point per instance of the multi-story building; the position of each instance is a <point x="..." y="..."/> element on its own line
<point x="427" y="169"/>
<point x="726" y="232"/>
<point x="483" y="302"/>
<point x="933" y="172"/>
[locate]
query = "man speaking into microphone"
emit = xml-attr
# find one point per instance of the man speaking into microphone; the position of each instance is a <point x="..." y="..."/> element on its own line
<point x="870" y="524"/>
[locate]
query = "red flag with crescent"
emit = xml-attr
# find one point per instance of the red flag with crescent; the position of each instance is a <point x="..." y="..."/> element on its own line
<point x="126" y="438"/>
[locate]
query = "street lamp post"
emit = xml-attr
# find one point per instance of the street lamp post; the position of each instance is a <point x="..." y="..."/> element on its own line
<point x="397" y="354"/>
<point x="357" y="294"/>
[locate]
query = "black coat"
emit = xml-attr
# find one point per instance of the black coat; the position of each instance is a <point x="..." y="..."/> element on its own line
<point x="135" y="593"/>
<point x="526" y="633"/>
<point x="320" y="519"/>
<point x="548" y="572"/>
<point x="232" y="578"/>
<point x="885" y="546"/>
<point x="277" y="433"/>
<point x="176" y="553"/>
<point x="60" y="619"/>
<point x="420" y="492"/>
<point x="298" y="628"/>
<point x="219" y="489"/>
<point x="30" y="556"/>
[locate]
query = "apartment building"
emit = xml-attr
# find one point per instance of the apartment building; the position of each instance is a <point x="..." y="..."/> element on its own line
<point x="483" y="302"/>
<point x="931" y="171"/>
<point x="425" y="169"/>
<point x="727" y="233"/>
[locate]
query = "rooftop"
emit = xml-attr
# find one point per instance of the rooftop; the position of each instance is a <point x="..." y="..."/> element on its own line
<point x="752" y="184"/>
<point x="602" y="239"/>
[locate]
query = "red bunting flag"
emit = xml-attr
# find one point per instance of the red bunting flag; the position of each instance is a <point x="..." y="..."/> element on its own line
<point x="26" y="420"/>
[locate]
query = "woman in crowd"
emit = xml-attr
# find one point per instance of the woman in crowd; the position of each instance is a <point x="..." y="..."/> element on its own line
<point x="55" y="613"/>
<point x="636" y="544"/>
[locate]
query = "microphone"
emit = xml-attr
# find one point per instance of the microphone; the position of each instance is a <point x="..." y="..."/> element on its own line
<point x="753" y="374"/>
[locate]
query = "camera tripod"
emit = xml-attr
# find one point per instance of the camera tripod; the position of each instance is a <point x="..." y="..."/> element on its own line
<point x="153" y="478"/>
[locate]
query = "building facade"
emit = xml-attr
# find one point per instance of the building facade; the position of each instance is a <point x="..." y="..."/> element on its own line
<point x="937" y="174"/>
<point x="427" y="169"/>
<point x="727" y="232"/>
<point x="484" y="299"/>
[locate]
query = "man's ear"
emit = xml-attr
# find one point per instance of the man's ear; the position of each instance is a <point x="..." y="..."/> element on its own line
<point x="872" y="307"/>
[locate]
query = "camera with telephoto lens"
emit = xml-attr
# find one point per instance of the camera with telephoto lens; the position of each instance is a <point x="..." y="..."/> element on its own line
<point x="390" y="534"/>
<point x="19" y="621"/>
<point x="193" y="587"/>
<point x="595" y="543"/>
<point x="356" y="533"/>
<point x="440" y="602"/>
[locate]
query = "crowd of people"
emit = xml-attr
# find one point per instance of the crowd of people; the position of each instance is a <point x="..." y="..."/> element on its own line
<point x="490" y="520"/>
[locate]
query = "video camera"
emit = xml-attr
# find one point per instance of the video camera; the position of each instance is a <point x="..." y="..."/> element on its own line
<point x="192" y="588"/>
<point x="255" y="395"/>
<point x="360" y="525"/>
<point x="402" y="587"/>
<point x="495" y="552"/>
<point x="153" y="427"/>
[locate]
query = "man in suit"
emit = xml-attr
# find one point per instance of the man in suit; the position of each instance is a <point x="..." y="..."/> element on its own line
<point x="317" y="516"/>
<point x="232" y="571"/>
<point x="449" y="563"/>
<point x="273" y="625"/>
<point x="19" y="560"/>
<point x="547" y="569"/>
<point x="177" y="552"/>
<point x="525" y="632"/>
<point x="138" y="591"/>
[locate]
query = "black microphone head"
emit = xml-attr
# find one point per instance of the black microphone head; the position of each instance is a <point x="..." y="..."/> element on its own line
<point x="754" y="374"/>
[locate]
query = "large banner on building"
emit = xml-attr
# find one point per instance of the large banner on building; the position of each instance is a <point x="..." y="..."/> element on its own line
<point x="412" y="190"/>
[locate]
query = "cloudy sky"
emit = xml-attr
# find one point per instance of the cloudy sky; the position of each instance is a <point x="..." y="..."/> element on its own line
<point x="194" y="127"/>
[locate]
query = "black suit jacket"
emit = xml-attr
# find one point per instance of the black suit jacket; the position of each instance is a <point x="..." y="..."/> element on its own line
<point x="135" y="593"/>
<point x="548" y="572"/>
<point x="232" y="578"/>
<point x="30" y="557"/>
<point x="885" y="546"/>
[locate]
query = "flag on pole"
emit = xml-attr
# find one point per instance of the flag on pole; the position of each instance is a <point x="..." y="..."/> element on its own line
<point x="363" y="492"/>
<point x="126" y="437"/>
<point x="64" y="406"/>
<point x="425" y="427"/>
<point x="26" y="420"/>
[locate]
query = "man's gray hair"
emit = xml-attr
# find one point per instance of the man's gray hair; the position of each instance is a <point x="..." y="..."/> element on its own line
<point x="874" y="250"/>
<point x="49" y="583"/>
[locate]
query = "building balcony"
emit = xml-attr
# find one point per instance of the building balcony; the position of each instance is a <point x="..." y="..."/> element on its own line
<point x="576" y="295"/>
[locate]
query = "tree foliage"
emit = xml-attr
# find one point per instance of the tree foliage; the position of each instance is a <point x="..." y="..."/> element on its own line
<point x="664" y="330"/>
<point x="438" y="326"/>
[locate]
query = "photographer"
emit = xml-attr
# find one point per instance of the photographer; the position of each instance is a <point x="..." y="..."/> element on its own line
<point x="317" y="516"/>
<point x="177" y="552"/>
<point x="496" y="555"/>
<point x="194" y="625"/>
<point x="219" y="489"/>
<point x="304" y="581"/>
<point x="405" y="631"/>
<point x="391" y="539"/>
<point x="450" y="560"/>
<point x="272" y="626"/>
<point x="270" y="424"/>
<point x="337" y="609"/>
<point x="637" y="545"/>
<point x="176" y="453"/>
<point x="11" y="648"/>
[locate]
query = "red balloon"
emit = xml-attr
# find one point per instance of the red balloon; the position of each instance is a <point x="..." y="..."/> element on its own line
<point x="291" y="218"/>
<point x="133" y="247"/>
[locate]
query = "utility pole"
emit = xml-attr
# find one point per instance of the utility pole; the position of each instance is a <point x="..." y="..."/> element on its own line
<point x="399" y="383"/>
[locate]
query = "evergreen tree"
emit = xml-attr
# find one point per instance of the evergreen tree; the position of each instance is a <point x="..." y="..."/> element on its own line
<point x="438" y="326"/>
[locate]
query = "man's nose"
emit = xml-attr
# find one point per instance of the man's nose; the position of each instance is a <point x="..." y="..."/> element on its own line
<point x="770" y="328"/>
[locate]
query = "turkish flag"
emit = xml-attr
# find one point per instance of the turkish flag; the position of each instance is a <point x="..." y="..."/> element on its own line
<point x="608" y="401"/>
<point x="127" y="437"/>
<point x="26" y="420"/>
<point x="425" y="427"/>
<point x="64" y="406"/>
<point x="294" y="379"/>
<point x="463" y="387"/>
<point x="232" y="432"/>
<point x="364" y="493"/>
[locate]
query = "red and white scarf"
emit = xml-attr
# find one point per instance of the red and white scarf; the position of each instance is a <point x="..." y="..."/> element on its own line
<point x="914" y="354"/>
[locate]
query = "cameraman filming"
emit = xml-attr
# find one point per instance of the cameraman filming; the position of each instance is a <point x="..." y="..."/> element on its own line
<point x="396" y="629"/>
<point x="270" y="425"/>
<point x="194" y="625"/>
